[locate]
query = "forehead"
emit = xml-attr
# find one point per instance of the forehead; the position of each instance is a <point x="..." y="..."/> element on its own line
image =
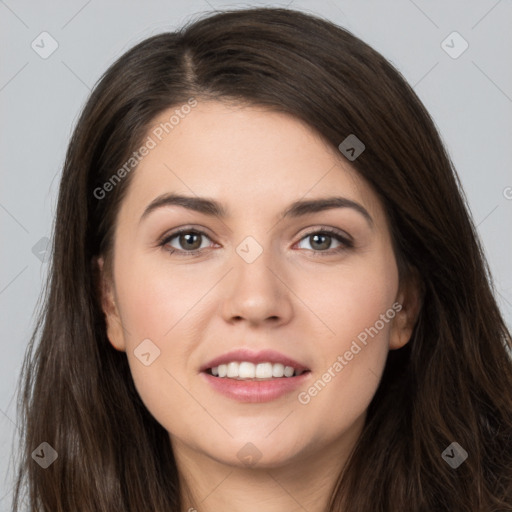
<point x="247" y="157"/>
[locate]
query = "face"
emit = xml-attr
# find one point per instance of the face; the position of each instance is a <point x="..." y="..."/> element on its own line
<point x="267" y="274"/>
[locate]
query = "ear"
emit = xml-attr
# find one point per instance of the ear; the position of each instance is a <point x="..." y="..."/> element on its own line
<point x="113" y="322"/>
<point x="408" y="305"/>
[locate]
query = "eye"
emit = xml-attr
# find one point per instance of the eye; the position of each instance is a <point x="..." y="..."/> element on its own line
<point x="320" y="241"/>
<point x="186" y="241"/>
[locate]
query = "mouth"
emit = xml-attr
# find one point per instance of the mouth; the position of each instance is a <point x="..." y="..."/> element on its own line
<point x="247" y="371"/>
<point x="246" y="376"/>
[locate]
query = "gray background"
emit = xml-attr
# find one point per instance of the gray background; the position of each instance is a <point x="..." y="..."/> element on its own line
<point x="469" y="97"/>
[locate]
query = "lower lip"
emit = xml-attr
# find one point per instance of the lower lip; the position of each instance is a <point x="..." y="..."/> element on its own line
<point x="254" y="391"/>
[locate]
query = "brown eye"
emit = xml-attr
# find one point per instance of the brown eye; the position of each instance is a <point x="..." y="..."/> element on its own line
<point x="185" y="241"/>
<point x="190" y="241"/>
<point x="322" y="241"/>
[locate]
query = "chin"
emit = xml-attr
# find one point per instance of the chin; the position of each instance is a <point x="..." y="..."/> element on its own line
<point x="258" y="452"/>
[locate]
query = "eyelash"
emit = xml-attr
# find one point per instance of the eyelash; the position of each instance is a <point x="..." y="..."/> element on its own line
<point x="346" y="243"/>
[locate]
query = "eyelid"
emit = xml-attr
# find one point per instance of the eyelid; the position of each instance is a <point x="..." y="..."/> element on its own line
<point x="328" y="229"/>
<point x="183" y="229"/>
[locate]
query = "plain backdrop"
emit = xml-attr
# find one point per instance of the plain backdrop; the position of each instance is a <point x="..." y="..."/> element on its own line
<point x="469" y="97"/>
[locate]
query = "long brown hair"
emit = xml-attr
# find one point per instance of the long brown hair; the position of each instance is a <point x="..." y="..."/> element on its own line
<point x="451" y="382"/>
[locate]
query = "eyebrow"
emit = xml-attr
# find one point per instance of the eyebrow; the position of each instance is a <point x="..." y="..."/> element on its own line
<point x="215" y="209"/>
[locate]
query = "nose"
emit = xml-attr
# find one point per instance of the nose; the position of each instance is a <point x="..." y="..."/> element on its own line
<point x="257" y="293"/>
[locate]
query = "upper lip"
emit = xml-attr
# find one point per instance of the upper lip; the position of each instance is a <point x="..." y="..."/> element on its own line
<point x="262" y="356"/>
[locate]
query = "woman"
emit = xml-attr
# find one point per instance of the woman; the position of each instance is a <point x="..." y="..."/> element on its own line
<point x="266" y="290"/>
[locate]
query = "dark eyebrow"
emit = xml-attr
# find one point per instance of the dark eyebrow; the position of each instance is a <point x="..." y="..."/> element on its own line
<point x="215" y="209"/>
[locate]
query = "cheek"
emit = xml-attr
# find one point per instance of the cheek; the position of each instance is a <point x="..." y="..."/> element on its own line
<point x="357" y="307"/>
<point x="350" y="299"/>
<point x="158" y="306"/>
<point x="155" y="300"/>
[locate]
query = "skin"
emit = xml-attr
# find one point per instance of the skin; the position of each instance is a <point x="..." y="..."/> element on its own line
<point x="298" y="297"/>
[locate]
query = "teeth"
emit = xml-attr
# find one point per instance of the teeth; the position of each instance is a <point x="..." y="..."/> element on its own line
<point x="246" y="370"/>
<point x="278" y="370"/>
<point x="288" y="371"/>
<point x="264" y="371"/>
<point x="233" y="370"/>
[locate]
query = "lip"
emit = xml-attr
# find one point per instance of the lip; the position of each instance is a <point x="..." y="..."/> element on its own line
<point x="262" y="356"/>
<point x="253" y="391"/>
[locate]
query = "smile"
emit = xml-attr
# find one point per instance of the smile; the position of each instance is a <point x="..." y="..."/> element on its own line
<point x="246" y="370"/>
